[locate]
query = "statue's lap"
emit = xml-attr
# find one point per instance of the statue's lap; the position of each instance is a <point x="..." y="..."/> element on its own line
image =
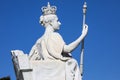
<point x="48" y="70"/>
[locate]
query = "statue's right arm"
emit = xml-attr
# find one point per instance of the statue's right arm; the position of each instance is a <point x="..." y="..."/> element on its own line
<point x="70" y="47"/>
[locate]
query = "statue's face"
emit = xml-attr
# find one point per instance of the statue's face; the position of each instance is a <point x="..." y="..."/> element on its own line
<point x="51" y="20"/>
<point x="55" y="23"/>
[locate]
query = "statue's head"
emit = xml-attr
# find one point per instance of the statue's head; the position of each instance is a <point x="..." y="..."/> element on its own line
<point x="49" y="17"/>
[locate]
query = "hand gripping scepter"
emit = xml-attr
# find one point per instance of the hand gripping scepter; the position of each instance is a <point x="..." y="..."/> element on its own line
<point x="82" y="46"/>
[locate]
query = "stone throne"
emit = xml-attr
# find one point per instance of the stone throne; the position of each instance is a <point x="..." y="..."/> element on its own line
<point x="50" y="57"/>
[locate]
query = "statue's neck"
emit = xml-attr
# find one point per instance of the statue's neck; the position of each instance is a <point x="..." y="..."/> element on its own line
<point x="49" y="29"/>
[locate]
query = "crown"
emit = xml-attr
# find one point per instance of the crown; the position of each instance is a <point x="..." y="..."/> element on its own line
<point x="46" y="10"/>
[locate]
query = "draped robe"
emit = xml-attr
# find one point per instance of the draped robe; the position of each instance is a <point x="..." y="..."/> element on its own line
<point x="50" y="47"/>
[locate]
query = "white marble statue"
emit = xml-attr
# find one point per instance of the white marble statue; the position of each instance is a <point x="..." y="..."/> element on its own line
<point x="51" y="49"/>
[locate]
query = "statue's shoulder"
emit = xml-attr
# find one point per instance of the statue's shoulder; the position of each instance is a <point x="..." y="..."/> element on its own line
<point x="55" y="38"/>
<point x="39" y="39"/>
<point x="56" y="35"/>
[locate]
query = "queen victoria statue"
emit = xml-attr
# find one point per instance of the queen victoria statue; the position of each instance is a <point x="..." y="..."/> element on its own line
<point x="50" y="57"/>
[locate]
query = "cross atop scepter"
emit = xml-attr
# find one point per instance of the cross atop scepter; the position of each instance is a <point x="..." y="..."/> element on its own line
<point x="84" y="8"/>
<point x="84" y="12"/>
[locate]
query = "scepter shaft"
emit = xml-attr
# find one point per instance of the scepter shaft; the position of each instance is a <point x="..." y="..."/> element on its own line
<point x="82" y="46"/>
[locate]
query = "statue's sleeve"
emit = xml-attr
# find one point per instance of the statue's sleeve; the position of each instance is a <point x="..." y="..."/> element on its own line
<point x="55" y="45"/>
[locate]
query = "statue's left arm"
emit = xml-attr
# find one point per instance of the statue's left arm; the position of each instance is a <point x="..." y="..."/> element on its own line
<point x="70" y="47"/>
<point x="33" y="55"/>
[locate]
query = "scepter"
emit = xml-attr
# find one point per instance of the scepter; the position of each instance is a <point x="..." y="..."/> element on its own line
<point x="82" y="46"/>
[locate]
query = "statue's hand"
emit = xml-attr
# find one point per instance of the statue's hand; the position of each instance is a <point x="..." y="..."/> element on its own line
<point x="85" y="30"/>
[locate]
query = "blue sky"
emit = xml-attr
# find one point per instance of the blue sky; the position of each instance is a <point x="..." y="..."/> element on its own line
<point x="20" y="28"/>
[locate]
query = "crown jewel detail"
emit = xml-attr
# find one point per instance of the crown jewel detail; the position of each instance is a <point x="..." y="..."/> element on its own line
<point x="46" y="10"/>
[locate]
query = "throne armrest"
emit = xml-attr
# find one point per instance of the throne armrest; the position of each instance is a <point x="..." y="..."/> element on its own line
<point x="20" y="60"/>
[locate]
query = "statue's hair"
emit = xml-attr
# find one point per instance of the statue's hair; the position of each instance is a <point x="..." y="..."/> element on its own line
<point x="46" y="19"/>
<point x="42" y="22"/>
